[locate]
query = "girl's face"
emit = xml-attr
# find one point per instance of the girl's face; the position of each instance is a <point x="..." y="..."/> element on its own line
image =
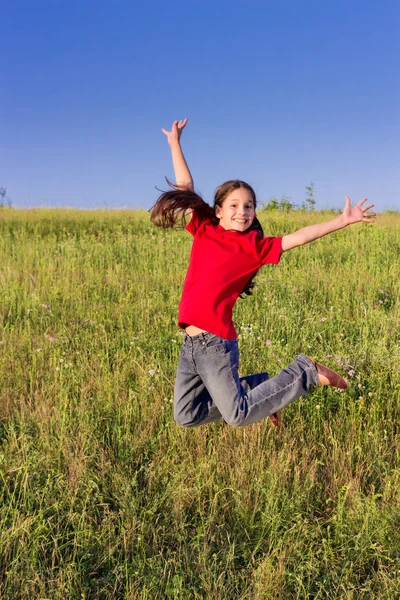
<point x="237" y="211"/>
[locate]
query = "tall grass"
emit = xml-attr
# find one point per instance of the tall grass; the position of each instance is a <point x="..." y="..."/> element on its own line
<point x="103" y="496"/>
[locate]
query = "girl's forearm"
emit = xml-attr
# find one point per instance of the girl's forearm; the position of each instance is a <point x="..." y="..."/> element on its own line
<point x="183" y="177"/>
<point x="311" y="233"/>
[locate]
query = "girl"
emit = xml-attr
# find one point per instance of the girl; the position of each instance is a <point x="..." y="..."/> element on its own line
<point x="228" y="248"/>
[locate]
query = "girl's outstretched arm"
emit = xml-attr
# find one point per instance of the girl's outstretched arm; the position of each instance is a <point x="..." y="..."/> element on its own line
<point x="351" y="214"/>
<point x="183" y="177"/>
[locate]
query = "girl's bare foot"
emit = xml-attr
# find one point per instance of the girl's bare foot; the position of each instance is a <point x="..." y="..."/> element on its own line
<point x="329" y="377"/>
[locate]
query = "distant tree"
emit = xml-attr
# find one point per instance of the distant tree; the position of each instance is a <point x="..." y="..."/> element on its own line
<point x="272" y="204"/>
<point x="4" y="200"/>
<point x="284" y="204"/>
<point x="309" y="203"/>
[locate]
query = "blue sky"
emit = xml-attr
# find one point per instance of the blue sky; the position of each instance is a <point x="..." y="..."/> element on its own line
<point x="277" y="93"/>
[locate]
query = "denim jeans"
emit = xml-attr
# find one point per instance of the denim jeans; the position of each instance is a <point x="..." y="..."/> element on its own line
<point x="208" y="386"/>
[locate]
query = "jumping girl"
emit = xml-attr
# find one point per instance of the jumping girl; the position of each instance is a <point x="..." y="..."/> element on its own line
<point x="228" y="249"/>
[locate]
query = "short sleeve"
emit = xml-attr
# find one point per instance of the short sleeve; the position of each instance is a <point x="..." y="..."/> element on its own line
<point x="269" y="249"/>
<point x="193" y="224"/>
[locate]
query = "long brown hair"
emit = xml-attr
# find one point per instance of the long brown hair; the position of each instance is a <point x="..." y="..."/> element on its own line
<point x="173" y="205"/>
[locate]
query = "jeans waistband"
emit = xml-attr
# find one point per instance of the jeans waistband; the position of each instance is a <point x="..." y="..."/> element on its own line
<point x="199" y="338"/>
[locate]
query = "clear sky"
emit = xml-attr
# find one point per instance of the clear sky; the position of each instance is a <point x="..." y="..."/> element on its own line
<point x="278" y="93"/>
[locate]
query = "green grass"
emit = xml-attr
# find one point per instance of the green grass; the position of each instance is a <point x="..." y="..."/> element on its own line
<point x="104" y="496"/>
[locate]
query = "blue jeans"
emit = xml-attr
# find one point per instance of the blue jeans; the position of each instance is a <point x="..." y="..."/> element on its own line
<point x="208" y="387"/>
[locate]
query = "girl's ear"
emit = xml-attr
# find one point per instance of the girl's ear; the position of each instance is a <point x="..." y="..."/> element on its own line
<point x="255" y="213"/>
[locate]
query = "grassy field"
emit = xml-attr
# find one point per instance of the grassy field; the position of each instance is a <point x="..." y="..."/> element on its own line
<point x="104" y="496"/>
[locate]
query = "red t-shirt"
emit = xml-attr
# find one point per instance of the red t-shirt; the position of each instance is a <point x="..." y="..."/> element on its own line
<point x="221" y="263"/>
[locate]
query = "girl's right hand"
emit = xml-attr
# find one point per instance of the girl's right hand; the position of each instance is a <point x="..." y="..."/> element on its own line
<point x="174" y="135"/>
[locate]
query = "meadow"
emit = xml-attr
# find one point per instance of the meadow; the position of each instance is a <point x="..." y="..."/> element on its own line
<point x="103" y="496"/>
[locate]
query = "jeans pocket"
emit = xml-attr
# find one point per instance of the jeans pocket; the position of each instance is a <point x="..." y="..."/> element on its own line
<point x="215" y="345"/>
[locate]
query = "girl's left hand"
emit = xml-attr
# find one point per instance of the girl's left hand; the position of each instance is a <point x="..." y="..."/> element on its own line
<point x="354" y="214"/>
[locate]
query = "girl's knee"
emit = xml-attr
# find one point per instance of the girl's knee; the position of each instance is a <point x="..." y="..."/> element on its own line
<point x="235" y="420"/>
<point x="183" y="420"/>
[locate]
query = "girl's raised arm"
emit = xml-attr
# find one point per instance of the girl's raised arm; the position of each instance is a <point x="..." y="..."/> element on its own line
<point x="183" y="177"/>
<point x="351" y="214"/>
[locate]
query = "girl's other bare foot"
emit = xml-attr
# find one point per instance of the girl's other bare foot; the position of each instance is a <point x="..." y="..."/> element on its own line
<point x="276" y="418"/>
